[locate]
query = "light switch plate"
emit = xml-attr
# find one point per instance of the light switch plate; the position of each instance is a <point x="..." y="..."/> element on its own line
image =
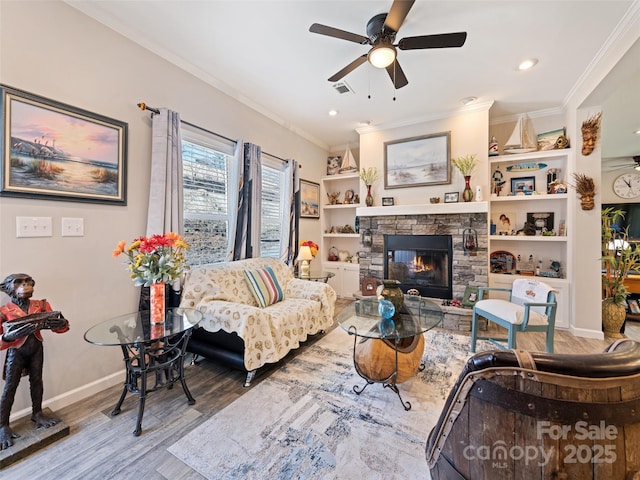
<point x="72" y="227"/>
<point x="33" y="227"/>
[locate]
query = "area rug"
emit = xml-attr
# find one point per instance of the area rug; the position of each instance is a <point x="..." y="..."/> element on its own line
<point x="305" y="421"/>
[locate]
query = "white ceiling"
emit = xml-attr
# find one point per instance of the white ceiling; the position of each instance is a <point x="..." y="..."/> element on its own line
<point x="262" y="53"/>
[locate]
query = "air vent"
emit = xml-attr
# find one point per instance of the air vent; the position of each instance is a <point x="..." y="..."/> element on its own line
<point x="343" y="87"/>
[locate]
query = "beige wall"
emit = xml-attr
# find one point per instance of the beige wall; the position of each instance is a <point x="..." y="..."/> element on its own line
<point x="469" y="133"/>
<point x="50" y="49"/>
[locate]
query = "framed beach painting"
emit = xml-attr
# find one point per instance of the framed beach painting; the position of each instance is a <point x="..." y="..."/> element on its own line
<point x="309" y="199"/>
<point x="418" y="161"/>
<point x="58" y="152"/>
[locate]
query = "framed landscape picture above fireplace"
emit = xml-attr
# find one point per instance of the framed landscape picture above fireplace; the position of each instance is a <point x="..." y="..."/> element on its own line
<point x="418" y="161"/>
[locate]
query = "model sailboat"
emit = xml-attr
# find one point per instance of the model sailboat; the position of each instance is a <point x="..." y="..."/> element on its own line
<point x="523" y="139"/>
<point x="348" y="163"/>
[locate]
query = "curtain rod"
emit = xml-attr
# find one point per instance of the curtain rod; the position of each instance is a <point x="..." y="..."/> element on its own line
<point x="143" y="106"/>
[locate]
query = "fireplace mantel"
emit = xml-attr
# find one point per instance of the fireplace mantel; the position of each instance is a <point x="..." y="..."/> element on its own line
<point x="424" y="209"/>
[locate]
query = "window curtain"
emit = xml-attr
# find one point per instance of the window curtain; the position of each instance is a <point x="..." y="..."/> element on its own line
<point x="248" y="206"/>
<point x="165" y="211"/>
<point x="289" y="245"/>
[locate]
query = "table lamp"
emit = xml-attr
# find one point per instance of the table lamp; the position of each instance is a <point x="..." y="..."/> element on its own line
<point x="304" y="256"/>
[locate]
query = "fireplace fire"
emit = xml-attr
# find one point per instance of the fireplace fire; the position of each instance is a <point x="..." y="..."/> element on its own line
<point x="420" y="262"/>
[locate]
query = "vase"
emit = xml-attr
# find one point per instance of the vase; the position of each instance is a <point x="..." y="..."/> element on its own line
<point x="467" y="193"/>
<point x="613" y="317"/>
<point x="156" y="302"/>
<point x="369" y="199"/>
<point x="391" y="291"/>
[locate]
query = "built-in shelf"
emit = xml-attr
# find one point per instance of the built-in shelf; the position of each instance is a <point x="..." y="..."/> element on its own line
<point x="528" y="238"/>
<point x="528" y="198"/>
<point x="527" y="157"/>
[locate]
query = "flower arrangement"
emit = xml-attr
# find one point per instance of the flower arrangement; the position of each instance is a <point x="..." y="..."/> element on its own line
<point x="155" y="259"/>
<point x="465" y="164"/>
<point x="369" y="175"/>
<point x="313" y="246"/>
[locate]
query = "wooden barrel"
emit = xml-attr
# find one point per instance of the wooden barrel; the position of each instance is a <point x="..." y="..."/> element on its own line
<point x="376" y="359"/>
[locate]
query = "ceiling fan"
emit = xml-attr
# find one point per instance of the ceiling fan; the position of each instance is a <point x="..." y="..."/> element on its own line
<point x="381" y="33"/>
<point x="635" y="164"/>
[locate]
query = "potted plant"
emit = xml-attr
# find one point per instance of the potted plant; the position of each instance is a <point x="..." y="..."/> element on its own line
<point x="466" y="165"/>
<point x="618" y="259"/>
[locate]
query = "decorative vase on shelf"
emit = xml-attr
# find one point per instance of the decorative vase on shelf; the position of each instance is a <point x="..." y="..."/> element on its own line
<point x="369" y="199"/>
<point x="467" y="193"/>
<point x="156" y="302"/>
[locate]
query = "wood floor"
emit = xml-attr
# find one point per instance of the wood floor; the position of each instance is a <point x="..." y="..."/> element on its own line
<point x="102" y="447"/>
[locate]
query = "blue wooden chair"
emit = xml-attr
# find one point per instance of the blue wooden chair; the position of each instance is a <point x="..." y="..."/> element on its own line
<point x="531" y="308"/>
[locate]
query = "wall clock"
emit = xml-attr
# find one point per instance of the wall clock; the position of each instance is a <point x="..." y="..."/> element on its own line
<point x="627" y="185"/>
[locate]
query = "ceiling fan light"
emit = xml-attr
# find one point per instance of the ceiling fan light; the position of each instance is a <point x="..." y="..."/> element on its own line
<point x="381" y="56"/>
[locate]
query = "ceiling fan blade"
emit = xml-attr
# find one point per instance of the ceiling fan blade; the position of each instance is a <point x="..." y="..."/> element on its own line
<point x="397" y="13"/>
<point x="398" y="78"/>
<point x="348" y="69"/>
<point x="337" y="33"/>
<point x="442" y="40"/>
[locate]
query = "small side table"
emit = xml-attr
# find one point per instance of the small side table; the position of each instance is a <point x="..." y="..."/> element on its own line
<point x="318" y="277"/>
<point x="148" y="349"/>
<point x="393" y="356"/>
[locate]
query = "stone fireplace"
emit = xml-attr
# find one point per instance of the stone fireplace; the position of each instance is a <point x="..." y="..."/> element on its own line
<point x="442" y="221"/>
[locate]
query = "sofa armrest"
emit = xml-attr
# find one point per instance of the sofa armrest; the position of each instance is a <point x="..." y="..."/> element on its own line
<point x="318" y="291"/>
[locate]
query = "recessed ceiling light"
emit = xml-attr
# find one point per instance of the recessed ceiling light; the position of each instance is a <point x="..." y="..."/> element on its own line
<point x="637" y="132"/>
<point x="527" y="64"/>
<point x="333" y="112"/>
<point x="468" y="100"/>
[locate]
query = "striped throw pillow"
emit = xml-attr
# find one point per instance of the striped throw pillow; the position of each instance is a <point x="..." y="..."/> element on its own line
<point x="264" y="286"/>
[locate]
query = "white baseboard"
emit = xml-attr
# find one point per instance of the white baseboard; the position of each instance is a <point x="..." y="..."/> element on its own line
<point x="75" y="395"/>
<point x="583" y="332"/>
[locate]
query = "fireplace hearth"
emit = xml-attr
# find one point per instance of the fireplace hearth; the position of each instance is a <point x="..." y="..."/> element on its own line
<point x="420" y="262"/>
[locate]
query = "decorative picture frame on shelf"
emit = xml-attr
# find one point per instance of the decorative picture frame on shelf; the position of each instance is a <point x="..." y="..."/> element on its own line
<point x="387" y="201"/>
<point x="543" y="221"/>
<point x="418" y="161"/>
<point x="452" y="197"/>
<point x="309" y="199"/>
<point x="504" y="221"/>
<point x="333" y="164"/>
<point x="55" y="151"/>
<point x="634" y="309"/>
<point x="470" y="296"/>
<point x="523" y="185"/>
<point x="547" y="140"/>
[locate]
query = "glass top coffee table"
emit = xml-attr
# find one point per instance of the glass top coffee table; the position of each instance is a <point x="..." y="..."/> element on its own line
<point x="384" y="351"/>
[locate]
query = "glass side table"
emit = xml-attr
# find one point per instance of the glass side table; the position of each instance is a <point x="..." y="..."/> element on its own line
<point x="384" y="352"/>
<point x="148" y="349"/>
<point x="318" y="276"/>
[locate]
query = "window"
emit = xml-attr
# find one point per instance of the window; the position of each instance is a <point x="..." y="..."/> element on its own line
<point x="206" y="210"/>
<point x="273" y="180"/>
<point x="207" y="174"/>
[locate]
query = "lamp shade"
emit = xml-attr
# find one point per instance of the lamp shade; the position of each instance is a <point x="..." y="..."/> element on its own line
<point x="305" y="253"/>
<point x="381" y="56"/>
